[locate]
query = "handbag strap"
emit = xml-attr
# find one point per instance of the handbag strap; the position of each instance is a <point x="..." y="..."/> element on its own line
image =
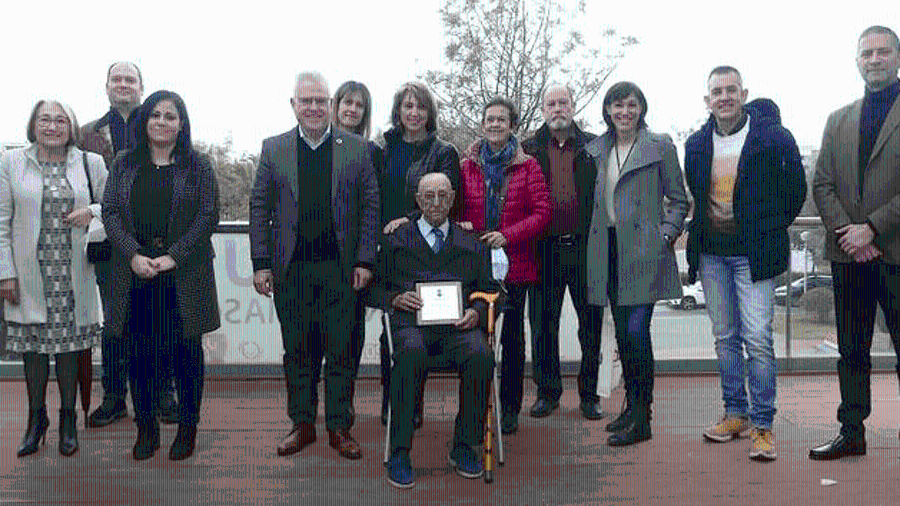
<point x="88" y="175"/>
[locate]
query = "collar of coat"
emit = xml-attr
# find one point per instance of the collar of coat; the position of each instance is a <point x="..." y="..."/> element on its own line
<point x="519" y="158"/>
<point x="541" y="136"/>
<point x="763" y="113"/>
<point x="647" y="149"/>
<point x="408" y="234"/>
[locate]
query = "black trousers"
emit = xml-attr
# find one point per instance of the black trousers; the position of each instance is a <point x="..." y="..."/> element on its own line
<point x="158" y="345"/>
<point x="465" y="350"/>
<point x="562" y="265"/>
<point x="316" y="307"/>
<point x="115" y="349"/>
<point x="512" y="339"/>
<point x="857" y="289"/>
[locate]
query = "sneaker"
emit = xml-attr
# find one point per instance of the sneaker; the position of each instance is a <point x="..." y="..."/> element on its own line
<point x="730" y="427"/>
<point x="399" y="468"/>
<point x="762" y="444"/>
<point x="465" y="462"/>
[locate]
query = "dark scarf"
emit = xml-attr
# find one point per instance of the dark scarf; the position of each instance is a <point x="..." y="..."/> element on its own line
<point x="492" y="165"/>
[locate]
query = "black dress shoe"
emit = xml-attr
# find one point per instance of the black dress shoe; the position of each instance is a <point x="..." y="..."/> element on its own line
<point x="108" y="412"/>
<point x="591" y="410"/>
<point x="183" y="446"/>
<point x="543" y="407"/>
<point x="621" y="422"/>
<point x="147" y="441"/>
<point x="841" y="446"/>
<point x="636" y="432"/>
<point x="509" y="422"/>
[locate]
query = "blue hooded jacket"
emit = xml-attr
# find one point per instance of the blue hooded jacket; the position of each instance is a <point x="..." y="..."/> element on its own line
<point x="769" y="189"/>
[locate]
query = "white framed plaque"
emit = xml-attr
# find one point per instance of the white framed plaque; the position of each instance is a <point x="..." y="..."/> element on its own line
<point x="442" y="302"/>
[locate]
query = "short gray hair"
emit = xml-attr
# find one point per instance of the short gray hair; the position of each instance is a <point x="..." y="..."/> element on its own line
<point x="309" y="76"/>
<point x="74" y="129"/>
<point x="556" y="85"/>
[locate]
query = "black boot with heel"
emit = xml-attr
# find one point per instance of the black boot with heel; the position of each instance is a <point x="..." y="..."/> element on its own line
<point x="68" y="432"/>
<point x="35" y="434"/>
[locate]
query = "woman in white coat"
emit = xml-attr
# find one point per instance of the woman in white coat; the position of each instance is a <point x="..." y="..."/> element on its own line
<point x="46" y="281"/>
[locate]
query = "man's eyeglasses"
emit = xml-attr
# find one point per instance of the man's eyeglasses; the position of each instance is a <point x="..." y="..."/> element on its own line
<point x="308" y="101"/>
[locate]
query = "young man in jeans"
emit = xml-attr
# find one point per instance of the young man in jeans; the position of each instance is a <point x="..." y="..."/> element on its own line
<point x="744" y="171"/>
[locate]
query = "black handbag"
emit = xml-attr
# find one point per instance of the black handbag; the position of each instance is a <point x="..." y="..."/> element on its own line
<point x="100" y="251"/>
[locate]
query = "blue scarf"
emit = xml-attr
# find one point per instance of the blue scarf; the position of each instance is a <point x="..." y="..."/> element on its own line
<point x="492" y="165"/>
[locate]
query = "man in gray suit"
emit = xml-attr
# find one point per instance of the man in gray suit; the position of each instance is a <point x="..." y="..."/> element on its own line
<point x="313" y="250"/>
<point x="857" y="191"/>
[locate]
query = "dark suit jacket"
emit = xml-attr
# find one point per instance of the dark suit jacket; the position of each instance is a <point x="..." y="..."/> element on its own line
<point x="406" y="258"/>
<point x="585" y="171"/>
<point x="192" y="220"/>
<point x="836" y="184"/>
<point x="274" y="196"/>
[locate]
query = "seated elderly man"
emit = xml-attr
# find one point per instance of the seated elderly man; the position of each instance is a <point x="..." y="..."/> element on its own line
<point x="433" y="249"/>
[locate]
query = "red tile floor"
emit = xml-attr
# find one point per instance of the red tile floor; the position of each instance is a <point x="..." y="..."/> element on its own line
<point x="562" y="459"/>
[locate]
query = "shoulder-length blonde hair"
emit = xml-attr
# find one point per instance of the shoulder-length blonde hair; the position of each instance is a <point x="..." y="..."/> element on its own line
<point x="74" y="130"/>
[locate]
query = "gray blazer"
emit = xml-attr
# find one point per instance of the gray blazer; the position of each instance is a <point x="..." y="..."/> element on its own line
<point x="647" y="268"/>
<point x="836" y="184"/>
<point x="274" y="196"/>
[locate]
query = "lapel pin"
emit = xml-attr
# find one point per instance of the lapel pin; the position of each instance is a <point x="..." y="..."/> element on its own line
<point x="339" y="141"/>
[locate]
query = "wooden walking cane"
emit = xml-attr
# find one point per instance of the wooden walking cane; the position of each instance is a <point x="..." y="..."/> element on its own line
<point x="489" y="298"/>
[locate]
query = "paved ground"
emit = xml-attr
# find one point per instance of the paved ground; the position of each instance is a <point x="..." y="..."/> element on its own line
<point x="562" y="459"/>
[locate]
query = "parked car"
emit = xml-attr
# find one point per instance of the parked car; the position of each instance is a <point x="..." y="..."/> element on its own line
<point x="692" y="298"/>
<point x="799" y="288"/>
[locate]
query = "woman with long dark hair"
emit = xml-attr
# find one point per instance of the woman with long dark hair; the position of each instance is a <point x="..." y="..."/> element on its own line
<point x="639" y="208"/>
<point x="161" y="208"/>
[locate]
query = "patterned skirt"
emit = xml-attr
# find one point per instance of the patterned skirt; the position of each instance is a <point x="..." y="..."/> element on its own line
<point x="60" y="333"/>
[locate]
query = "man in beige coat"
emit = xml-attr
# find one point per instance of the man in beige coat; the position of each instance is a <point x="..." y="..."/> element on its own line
<point x="857" y="191"/>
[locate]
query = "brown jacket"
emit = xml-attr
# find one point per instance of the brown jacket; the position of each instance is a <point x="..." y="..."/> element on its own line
<point x="836" y="186"/>
<point x="98" y="140"/>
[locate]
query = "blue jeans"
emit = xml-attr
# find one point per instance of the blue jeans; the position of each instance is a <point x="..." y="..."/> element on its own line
<point x="742" y="312"/>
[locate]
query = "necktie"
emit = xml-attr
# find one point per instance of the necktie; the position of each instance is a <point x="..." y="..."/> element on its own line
<point x="438" y="239"/>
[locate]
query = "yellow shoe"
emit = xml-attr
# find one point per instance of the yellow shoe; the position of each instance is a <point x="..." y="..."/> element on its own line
<point x="762" y="444"/>
<point x="730" y="427"/>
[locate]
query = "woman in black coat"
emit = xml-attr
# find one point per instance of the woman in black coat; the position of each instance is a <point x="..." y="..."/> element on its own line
<point x="160" y="209"/>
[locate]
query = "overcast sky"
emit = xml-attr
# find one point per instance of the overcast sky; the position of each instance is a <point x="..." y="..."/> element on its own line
<point x="233" y="63"/>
